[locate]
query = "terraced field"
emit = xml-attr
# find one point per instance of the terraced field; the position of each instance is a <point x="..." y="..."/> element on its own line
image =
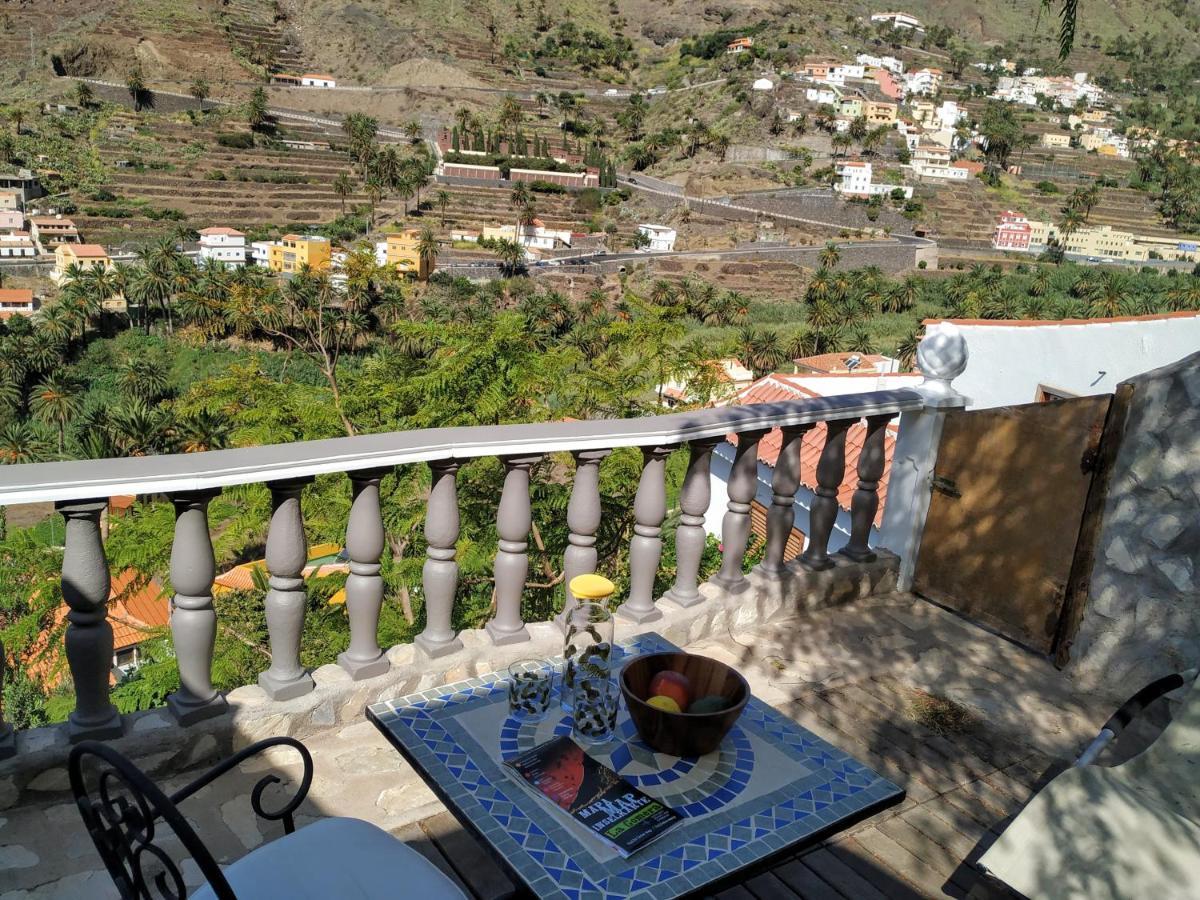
<point x="181" y="167"/>
<point x="258" y="28"/>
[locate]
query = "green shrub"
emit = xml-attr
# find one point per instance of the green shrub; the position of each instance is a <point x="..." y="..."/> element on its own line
<point x="241" y="140"/>
<point x="546" y="187"/>
<point x="1047" y="187"/>
<point x="214" y="175"/>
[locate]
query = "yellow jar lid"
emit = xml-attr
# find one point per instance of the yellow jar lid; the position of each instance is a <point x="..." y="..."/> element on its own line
<point x="591" y="587"/>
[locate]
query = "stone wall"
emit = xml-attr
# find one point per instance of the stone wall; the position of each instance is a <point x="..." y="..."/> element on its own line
<point x="827" y="207"/>
<point x="1142" y="618"/>
<point x="163" y="748"/>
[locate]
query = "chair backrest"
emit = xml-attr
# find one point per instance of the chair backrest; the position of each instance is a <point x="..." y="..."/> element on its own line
<point x="120" y="812"/>
<point x="1169" y="769"/>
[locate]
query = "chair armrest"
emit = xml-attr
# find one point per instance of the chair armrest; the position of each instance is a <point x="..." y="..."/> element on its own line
<point x="1130" y="710"/>
<point x="285" y="812"/>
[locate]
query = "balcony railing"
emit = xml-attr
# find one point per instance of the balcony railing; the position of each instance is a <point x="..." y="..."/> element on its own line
<point x="80" y="491"/>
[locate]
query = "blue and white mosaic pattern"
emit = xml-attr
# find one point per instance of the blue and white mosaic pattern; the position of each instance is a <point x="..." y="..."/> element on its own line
<point x="770" y="785"/>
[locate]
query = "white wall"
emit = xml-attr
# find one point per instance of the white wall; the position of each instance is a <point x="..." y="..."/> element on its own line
<point x="1007" y="363"/>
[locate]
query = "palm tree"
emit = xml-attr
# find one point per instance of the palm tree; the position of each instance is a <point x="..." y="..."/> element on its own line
<point x="256" y="109"/>
<point x="54" y="402"/>
<point x="829" y="255"/>
<point x="343" y="186"/>
<point x="510" y="255"/>
<point x="202" y="431"/>
<point x="761" y="351"/>
<point x="21" y="443"/>
<point x="427" y="251"/>
<point x="84" y="95"/>
<point x="199" y="91"/>
<point x="135" y="83"/>
<point x="442" y="199"/>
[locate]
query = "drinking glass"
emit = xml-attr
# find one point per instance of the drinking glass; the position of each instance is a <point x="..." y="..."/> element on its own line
<point x="595" y="716"/>
<point x="529" y="683"/>
<point x="588" y="648"/>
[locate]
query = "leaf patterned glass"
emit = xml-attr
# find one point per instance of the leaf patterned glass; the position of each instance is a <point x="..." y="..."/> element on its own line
<point x="595" y="715"/>
<point x="529" y="684"/>
<point x="588" y="648"/>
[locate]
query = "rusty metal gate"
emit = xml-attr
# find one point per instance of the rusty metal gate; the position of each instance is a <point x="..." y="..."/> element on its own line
<point x="1010" y="499"/>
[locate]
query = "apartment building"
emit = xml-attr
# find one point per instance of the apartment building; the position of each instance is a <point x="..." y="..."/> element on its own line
<point x="223" y="245"/>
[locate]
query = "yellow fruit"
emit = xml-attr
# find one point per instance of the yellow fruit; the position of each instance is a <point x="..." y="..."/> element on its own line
<point x="666" y="704"/>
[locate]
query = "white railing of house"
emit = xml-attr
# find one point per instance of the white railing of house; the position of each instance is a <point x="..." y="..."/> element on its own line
<point x="80" y="491"/>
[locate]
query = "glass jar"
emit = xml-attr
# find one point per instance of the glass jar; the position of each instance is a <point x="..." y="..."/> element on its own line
<point x="588" y="644"/>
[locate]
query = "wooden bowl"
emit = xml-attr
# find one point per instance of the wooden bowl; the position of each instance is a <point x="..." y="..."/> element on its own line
<point x="683" y="734"/>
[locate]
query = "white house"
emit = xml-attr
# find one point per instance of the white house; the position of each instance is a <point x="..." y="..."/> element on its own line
<point x="317" y="81"/>
<point x="1022" y="362"/>
<point x="923" y="81"/>
<point x="260" y="252"/>
<point x="856" y="181"/>
<point x="535" y="236"/>
<point x="662" y="238"/>
<point x="827" y="95"/>
<point x="223" y="245"/>
<point x="890" y="63"/>
<point x="899" y="20"/>
<point x="850" y="70"/>
<point x="763" y="84"/>
<point x="17" y="244"/>
<point x="935" y="162"/>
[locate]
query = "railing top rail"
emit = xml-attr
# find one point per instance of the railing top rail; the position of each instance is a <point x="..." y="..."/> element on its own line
<point x="88" y="479"/>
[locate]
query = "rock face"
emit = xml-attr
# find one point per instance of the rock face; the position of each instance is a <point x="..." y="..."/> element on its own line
<point x="1143" y="615"/>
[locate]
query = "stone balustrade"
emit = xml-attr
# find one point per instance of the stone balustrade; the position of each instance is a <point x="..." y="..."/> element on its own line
<point x="191" y="481"/>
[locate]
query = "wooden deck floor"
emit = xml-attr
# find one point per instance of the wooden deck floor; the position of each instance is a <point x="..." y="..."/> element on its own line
<point x="962" y="788"/>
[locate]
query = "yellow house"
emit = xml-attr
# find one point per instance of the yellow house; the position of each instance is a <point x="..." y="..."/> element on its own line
<point x="403" y="252"/>
<point x="86" y="256"/>
<point x="879" y="112"/>
<point x="294" y="251"/>
<point x="1056" y="139"/>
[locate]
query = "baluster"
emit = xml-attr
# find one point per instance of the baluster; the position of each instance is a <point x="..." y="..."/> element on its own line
<point x="287" y="600"/>
<point x="583" y="521"/>
<point x="8" y="738"/>
<point x="781" y="517"/>
<point x="513" y="521"/>
<point x="831" y="469"/>
<point x="193" y="619"/>
<point x="645" y="549"/>
<point x="439" y="577"/>
<point x="364" y="585"/>
<point x="735" y="527"/>
<point x="865" y="502"/>
<point x="690" y="536"/>
<point x="89" y="638"/>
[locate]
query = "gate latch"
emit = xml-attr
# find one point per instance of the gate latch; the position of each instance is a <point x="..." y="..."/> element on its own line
<point x="947" y="486"/>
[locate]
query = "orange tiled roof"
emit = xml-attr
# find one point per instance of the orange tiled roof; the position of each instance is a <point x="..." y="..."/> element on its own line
<point x="221" y="229"/>
<point x="836" y="362"/>
<point x="16" y="295"/>
<point x="776" y="388"/>
<point x="87" y="251"/>
<point x="136" y="609"/>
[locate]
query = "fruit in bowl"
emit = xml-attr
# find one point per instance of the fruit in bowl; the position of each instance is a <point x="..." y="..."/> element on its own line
<point x="713" y="696"/>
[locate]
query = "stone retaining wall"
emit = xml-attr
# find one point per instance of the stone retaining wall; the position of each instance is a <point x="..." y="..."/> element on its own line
<point x="38" y="773"/>
<point x="1142" y="618"/>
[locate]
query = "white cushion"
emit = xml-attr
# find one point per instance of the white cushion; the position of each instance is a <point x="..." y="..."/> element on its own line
<point x="344" y="858"/>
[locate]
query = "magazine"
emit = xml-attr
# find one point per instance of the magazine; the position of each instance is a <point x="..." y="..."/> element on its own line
<point x="596" y="797"/>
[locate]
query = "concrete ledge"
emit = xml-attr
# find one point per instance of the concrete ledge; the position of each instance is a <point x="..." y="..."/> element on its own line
<point x="162" y="747"/>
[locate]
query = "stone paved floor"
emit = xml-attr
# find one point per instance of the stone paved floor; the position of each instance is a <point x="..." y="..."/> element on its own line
<point x="850" y="674"/>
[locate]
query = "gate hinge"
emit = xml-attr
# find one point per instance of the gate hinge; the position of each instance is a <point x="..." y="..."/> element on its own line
<point x="946" y="486"/>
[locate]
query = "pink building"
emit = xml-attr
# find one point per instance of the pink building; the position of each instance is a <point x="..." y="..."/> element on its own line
<point x="1012" y="232"/>
<point x="888" y="85"/>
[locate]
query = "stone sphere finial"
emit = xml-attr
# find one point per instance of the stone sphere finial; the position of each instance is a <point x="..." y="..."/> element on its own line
<point x="942" y="357"/>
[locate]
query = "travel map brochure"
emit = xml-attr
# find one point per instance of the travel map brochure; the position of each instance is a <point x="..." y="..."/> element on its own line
<point x="593" y="794"/>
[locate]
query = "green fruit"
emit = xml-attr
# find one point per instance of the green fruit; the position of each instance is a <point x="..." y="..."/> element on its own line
<point x="713" y="703"/>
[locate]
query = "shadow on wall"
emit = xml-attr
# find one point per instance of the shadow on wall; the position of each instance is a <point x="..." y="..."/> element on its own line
<point x="1142" y="618"/>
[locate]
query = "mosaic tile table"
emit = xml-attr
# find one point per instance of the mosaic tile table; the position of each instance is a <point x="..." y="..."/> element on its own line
<point x="772" y="786"/>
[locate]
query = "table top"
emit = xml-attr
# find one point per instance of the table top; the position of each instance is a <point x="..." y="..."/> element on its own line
<point x="771" y="786"/>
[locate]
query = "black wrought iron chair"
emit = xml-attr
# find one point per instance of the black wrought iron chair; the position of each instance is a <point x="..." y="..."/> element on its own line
<point x="336" y="857"/>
